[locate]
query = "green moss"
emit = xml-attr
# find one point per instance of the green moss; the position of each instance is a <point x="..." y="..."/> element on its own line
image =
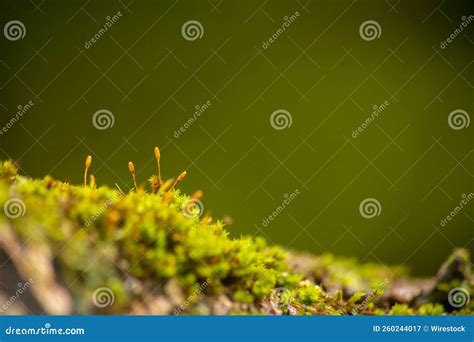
<point x="102" y="237"/>
<point x="431" y="309"/>
<point x="307" y="293"/>
<point x="243" y="296"/>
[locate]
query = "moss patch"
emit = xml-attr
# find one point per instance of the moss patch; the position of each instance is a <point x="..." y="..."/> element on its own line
<point x="155" y="254"/>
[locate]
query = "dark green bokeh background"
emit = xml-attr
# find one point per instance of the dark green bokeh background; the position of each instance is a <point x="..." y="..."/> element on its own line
<point x="151" y="78"/>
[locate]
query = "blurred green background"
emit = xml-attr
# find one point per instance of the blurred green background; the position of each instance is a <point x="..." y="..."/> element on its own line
<point x="319" y="69"/>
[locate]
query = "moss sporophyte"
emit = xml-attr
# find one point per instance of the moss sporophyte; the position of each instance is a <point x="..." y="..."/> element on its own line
<point x="155" y="252"/>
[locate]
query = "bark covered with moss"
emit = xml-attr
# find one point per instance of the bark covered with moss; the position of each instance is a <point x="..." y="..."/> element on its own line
<point x="150" y="254"/>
